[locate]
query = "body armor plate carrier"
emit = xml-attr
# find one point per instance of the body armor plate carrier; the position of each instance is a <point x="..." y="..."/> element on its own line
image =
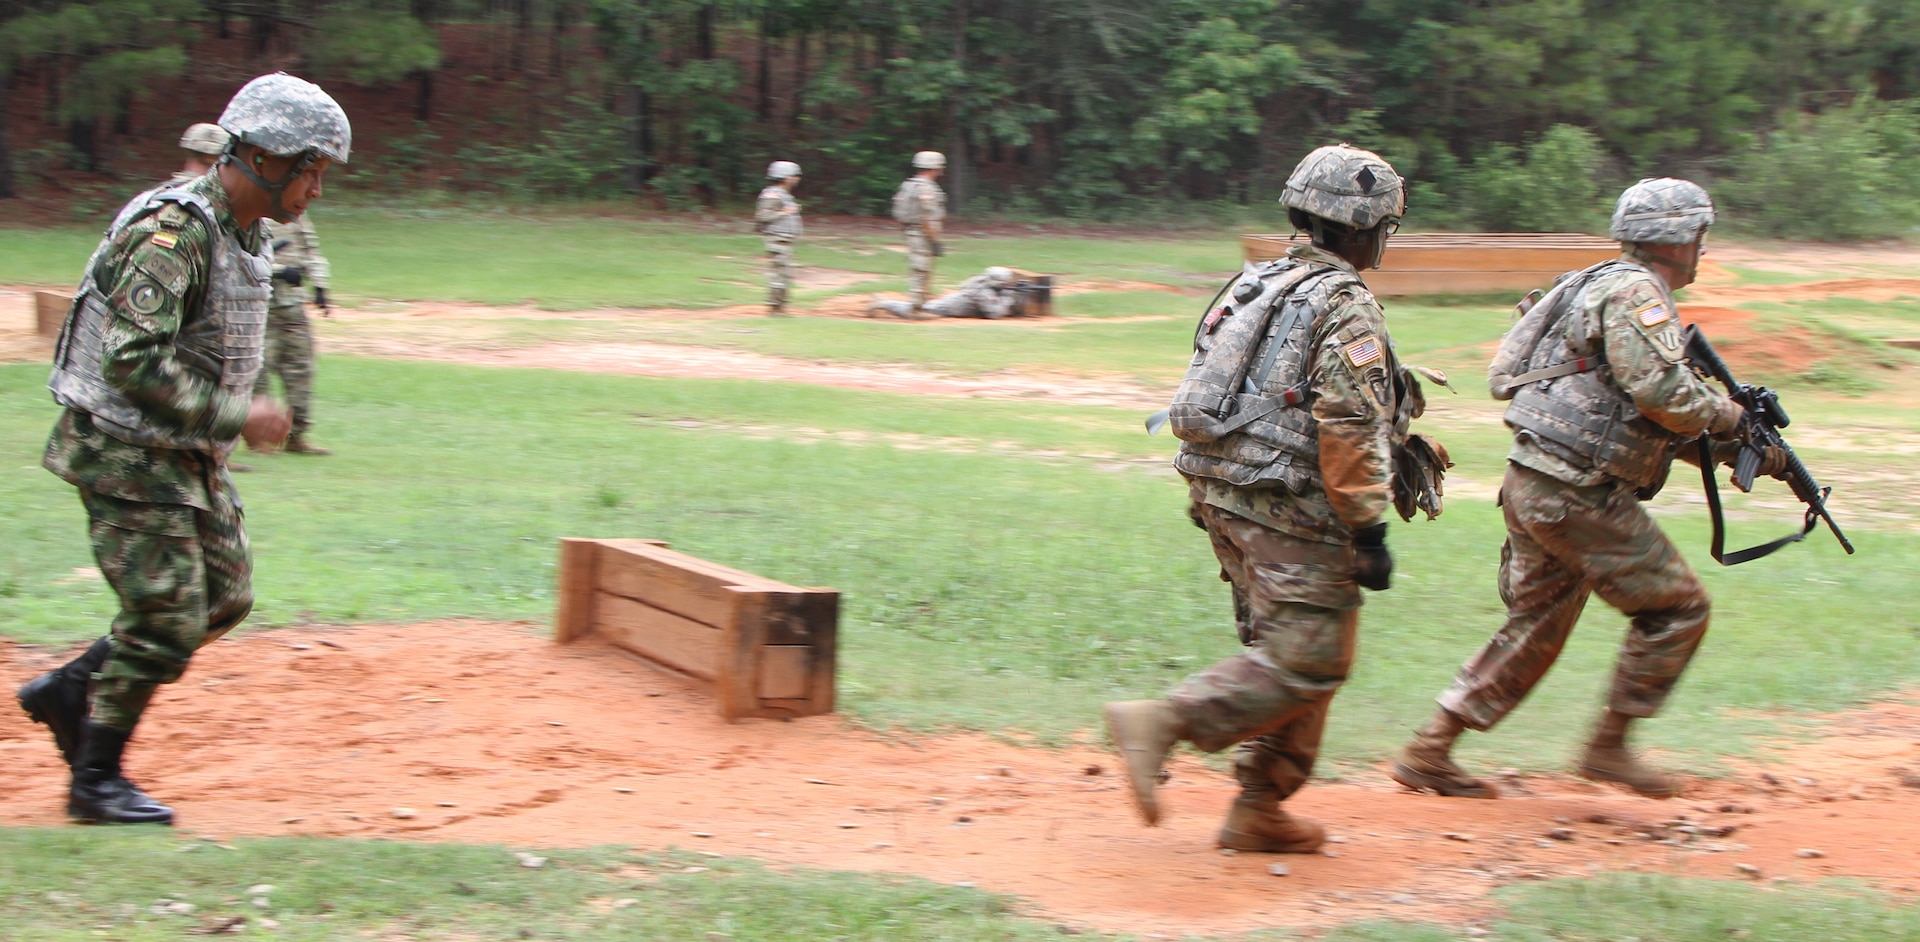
<point x="223" y="341"/>
<point x="1238" y="411"/>
<point x="1557" y="377"/>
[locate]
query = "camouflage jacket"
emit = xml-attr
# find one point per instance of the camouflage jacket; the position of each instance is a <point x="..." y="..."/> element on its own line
<point x="139" y="359"/>
<point x="777" y="214"/>
<point x="296" y="246"/>
<point x="1353" y="407"/>
<point x="1629" y="315"/>
<point x="926" y="203"/>
<point x="976" y="297"/>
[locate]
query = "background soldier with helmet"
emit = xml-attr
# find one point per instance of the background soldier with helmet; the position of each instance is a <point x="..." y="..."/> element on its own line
<point x="298" y="267"/>
<point x="1289" y="464"/>
<point x="204" y="143"/>
<point x="1601" y="398"/>
<point x="920" y="207"/>
<point x="777" y="219"/>
<point x="155" y="367"/>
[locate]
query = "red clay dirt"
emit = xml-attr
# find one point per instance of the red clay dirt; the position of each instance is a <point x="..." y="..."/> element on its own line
<point x="487" y="732"/>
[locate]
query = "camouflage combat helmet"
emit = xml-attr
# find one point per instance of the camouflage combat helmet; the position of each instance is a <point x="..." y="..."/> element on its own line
<point x="782" y="170"/>
<point x="1344" y="184"/>
<point x="1662" y="210"/>
<point x="929" y="160"/>
<point x="1000" y="275"/>
<point x="284" y="115"/>
<point x="204" y="138"/>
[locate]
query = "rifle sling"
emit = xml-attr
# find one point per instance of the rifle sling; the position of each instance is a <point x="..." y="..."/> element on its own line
<point x="1751" y="553"/>
<point x="1570" y="367"/>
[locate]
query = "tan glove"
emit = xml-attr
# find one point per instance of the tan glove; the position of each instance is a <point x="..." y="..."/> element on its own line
<point x="1773" y="462"/>
<point x="1726" y="420"/>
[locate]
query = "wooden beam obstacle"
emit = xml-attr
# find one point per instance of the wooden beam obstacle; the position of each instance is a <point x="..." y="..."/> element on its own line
<point x="50" y="311"/>
<point x="766" y="648"/>
<point x="1420" y="263"/>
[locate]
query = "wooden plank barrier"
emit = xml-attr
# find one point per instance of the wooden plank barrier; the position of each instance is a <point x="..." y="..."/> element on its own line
<point x="50" y="311"/>
<point x="767" y="648"/>
<point x="1465" y="262"/>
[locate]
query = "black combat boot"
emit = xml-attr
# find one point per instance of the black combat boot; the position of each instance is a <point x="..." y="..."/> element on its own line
<point x="100" y="794"/>
<point x="58" y="698"/>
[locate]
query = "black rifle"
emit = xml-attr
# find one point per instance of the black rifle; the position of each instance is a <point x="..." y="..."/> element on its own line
<point x="1758" y="433"/>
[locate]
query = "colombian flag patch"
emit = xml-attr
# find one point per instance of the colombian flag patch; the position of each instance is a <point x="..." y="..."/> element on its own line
<point x="165" y="240"/>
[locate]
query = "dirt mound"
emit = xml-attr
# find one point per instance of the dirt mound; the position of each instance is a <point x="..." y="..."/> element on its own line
<point x="487" y="732"/>
<point x="1859" y="289"/>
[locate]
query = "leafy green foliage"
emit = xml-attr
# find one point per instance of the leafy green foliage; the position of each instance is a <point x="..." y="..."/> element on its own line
<point x="1851" y="173"/>
<point x="368" y="44"/>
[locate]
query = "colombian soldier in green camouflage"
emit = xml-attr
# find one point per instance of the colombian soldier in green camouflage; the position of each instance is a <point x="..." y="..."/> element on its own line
<point x="777" y="218"/>
<point x="155" y="368"/>
<point x="920" y="207"/>
<point x="297" y="267"/>
<point x="1292" y="498"/>
<point x="1602" y="397"/>
<point x="990" y="295"/>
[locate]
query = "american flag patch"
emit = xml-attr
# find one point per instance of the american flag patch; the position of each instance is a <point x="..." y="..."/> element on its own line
<point x="1655" y="313"/>
<point x="1363" y="351"/>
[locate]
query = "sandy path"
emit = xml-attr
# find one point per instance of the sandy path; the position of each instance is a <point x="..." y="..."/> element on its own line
<point x="491" y="733"/>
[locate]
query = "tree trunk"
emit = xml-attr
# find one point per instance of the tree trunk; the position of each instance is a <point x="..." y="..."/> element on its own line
<point x="957" y="182"/>
<point x="632" y="109"/>
<point x="799" y="78"/>
<point x="423" y="97"/>
<point x="522" y="34"/>
<point x="6" y="141"/>
<point x="765" y="110"/>
<point x="82" y="134"/>
<point x="703" y="32"/>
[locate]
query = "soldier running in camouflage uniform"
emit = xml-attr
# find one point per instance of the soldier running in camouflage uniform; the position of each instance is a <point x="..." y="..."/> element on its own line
<point x="777" y="219"/>
<point x="1292" y="500"/>
<point x="297" y="266"/>
<point x="155" y="368"/>
<point x="990" y="294"/>
<point x="920" y="206"/>
<point x="1602" y="398"/>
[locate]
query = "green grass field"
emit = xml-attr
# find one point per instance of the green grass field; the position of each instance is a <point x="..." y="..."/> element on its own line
<point x="1005" y="565"/>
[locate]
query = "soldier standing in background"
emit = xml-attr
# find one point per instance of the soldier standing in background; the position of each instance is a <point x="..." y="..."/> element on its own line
<point x="297" y="265"/>
<point x="1292" y="496"/>
<point x="920" y="207"/>
<point x="777" y="218"/>
<point x="1602" y="397"/>
<point x="155" y="368"/>
<point x="204" y="143"/>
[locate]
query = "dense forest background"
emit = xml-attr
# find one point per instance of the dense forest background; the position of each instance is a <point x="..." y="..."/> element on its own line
<point x="1506" y="114"/>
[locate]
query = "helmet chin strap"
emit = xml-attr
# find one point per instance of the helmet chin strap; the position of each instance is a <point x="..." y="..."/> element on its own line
<point x="1690" y="267"/>
<point x="279" y="211"/>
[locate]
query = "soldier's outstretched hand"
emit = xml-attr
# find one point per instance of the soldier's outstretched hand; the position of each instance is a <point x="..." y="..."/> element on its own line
<point x="267" y="425"/>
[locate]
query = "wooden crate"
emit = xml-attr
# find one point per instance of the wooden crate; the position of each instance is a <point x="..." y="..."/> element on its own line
<point x="50" y="311"/>
<point x="1465" y="262"/>
<point x="767" y="648"/>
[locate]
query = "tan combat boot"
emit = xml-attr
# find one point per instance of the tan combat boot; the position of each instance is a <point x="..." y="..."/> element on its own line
<point x="1426" y="763"/>
<point x="1609" y="760"/>
<point x="297" y="444"/>
<point x="1258" y="823"/>
<point x="1144" y="732"/>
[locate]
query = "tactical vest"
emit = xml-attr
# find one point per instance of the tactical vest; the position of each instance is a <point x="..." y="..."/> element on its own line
<point x="222" y="343"/>
<point x="787" y="226"/>
<point x="1240" y="411"/>
<point x="906" y="203"/>
<point x="1563" y="391"/>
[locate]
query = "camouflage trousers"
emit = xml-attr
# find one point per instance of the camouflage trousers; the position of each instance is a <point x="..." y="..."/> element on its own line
<point x="289" y="354"/>
<point x="919" y="265"/>
<point x="184" y="577"/>
<point x="1297" y="608"/>
<point x="1564" y="543"/>
<point x="779" y="271"/>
